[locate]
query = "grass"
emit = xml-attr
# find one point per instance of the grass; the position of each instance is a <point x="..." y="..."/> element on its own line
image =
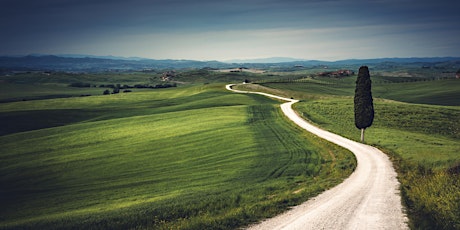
<point x="64" y="78"/>
<point x="434" y="92"/>
<point x="194" y="157"/>
<point x="11" y="92"/>
<point x="421" y="138"/>
<point x="428" y="128"/>
<point x="424" y="91"/>
<point x="146" y="159"/>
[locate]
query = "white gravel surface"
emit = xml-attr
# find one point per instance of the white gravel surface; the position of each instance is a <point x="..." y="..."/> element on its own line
<point x="368" y="199"/>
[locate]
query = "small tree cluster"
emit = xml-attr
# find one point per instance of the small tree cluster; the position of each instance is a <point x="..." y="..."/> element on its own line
<point x="114" y="91"/>
<point x="159" y="86"/>
<point x="116" y="88"/>
<point x="138" y="86"/>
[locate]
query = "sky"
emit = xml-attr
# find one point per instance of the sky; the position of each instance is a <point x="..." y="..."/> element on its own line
<point x="232" y="29"/>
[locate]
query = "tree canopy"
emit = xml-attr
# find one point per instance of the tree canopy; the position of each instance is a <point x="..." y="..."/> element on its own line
<point x="364" y="106"/>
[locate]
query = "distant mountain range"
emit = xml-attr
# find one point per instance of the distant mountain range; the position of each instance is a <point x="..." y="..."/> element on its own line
<point x="89" y="63"/>
<point x="100" y="57"/>
<point x="275" y="60"/>
<point x="266" y="60"/>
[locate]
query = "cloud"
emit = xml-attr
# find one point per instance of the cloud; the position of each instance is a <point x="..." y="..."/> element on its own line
<point x="209" y="29"/>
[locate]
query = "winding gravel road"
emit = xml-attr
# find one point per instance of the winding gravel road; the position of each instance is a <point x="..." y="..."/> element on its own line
<point x="368" y="199"/>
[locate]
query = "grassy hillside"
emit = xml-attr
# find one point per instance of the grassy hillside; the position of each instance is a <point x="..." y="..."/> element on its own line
<point x="434" y="92"/>
<point x="421" y="91"/>
<point x="422" y="139"/>
<point x="192" y="158"/>
<point x="10" y="92"/>
<point x="197" y="156"/>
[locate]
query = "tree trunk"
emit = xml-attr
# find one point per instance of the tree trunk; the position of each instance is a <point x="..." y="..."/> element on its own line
<point x="362" y="135"/>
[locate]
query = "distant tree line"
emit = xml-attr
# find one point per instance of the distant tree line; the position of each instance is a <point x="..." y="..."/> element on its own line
<point x="126" y="88"/>
<point x="119" y="86"/>
<point x="332" y="81"/>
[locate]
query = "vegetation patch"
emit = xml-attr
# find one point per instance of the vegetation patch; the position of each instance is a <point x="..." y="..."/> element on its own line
<point x="194" y="157"/>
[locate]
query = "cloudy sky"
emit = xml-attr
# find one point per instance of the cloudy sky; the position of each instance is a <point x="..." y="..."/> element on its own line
<point x="232" y="29"/>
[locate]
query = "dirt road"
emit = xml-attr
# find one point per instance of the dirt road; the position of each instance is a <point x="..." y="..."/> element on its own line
<point x="368" y="199"/>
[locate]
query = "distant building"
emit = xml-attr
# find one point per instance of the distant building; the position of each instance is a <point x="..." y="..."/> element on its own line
<point x="167" y="76"/>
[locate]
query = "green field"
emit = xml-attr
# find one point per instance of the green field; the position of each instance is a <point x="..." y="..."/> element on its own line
<point x="192" y="157"/>
<point x="200" y="157"/>
<point x="435" y="92"/>
<point x="422" y="137"/>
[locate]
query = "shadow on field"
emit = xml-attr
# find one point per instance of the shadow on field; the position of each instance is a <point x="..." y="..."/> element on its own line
<point x="22" y="121"/>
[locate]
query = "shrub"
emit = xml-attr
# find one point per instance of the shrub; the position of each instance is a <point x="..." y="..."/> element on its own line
<point x="433" y="197"/>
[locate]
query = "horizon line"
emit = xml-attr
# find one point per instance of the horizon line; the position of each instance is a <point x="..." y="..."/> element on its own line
<point x="233" y="60"/>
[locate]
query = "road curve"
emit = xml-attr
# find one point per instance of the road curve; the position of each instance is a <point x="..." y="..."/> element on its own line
<point x="368" y="199"/>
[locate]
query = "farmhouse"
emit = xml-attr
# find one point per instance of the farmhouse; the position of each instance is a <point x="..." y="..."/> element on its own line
<point x="167" y="76"/>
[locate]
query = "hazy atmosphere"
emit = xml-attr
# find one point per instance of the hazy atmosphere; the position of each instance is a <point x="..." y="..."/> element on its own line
<point x="237" y="29"/>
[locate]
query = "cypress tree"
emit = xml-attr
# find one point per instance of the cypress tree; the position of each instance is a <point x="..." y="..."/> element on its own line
<point x="364" y="106"/>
